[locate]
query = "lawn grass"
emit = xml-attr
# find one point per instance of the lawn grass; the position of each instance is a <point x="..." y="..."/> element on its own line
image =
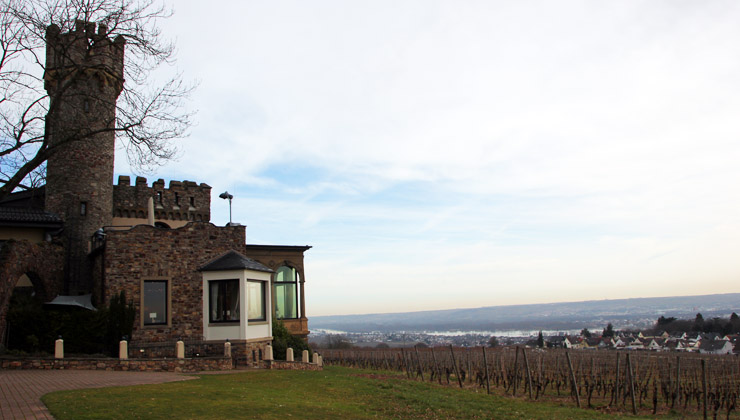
<point x="334" y="393"/>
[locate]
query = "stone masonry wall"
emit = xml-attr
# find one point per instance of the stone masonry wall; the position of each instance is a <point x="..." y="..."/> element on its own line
<point x="146" y="253"/>
<point x="142" y="365"/>
<point x="43" y="263"/>
<point x="184" y="200"/>
<point x="273" y="256"/>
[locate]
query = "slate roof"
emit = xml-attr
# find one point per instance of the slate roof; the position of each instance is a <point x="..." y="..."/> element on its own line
<point x="712" y="345"/>
<point x="27" y="217"/>
<point x="233" y="260"/>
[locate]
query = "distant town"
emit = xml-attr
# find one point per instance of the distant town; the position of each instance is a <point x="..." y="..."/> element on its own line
<point x="712" y="335"/>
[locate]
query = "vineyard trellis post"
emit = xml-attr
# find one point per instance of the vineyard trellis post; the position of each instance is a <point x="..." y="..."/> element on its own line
<point x="418" y="363"/>
<point x="470" y="367"/>
<point x="631" y="384"/>
<point x="405" y="363"/>
<point x="436" y="366"/>
<point x="704" y="386"/>
<point x="616" y="384"/>
<point x="573" y="380"/>
<point x="516" y="371"/>
<point x="454" y="365"/>
<point x="485" y="366"/>
<point x="678" y="382"/>
<point x="529" y="375"/>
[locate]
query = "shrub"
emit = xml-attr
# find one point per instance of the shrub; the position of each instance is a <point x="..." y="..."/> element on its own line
<point x="33" y="327"/>
<point x="282" y="339"/>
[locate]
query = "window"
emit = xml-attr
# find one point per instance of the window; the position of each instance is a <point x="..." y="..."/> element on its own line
<point x="256" y="297"/>
<point x="286" y="293"/>
<point x="83" y="208"/>
<point x="161" y="225"/>
<point x="159" y="197"/>
<point x="223" y="300"/>
<point x="154" y="305"/>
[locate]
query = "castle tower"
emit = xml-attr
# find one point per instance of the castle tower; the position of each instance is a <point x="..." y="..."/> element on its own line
<point x="84" y="76"/>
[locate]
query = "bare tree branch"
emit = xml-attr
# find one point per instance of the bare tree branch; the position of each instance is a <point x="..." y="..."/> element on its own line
<point x="148" y="117"/>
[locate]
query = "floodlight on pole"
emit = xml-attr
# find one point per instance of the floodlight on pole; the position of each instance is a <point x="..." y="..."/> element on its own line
<point x="226" y="196"/>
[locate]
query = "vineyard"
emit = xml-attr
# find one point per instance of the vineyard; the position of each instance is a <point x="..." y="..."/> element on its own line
<point x="638" y="382"/>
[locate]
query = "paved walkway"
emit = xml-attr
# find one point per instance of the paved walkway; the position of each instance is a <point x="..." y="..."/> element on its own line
<point x="21" y="390"/>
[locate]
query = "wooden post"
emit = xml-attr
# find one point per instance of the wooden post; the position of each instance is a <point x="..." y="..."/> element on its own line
<point x="485" y="366"/>
<point x="405" y="363"/>
<point x="631" y="384"/>
<point x="418" y="363"/>
<point x="470" y="367"/>
<point x="573" y="379"/>
<point x="516" y="371"/>
<point x="616" y="384"/>
<point x="454" y="364"/>
<point x="529" y="375"/>
<point x="436" y="366"/>
<point x="704" y="385"/>
<point x="678" y="382"/>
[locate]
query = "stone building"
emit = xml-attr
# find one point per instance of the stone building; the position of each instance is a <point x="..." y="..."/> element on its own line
<point x="83" y="235"/>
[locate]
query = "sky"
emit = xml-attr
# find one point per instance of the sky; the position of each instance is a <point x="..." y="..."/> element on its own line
<point x="452" y="154"/>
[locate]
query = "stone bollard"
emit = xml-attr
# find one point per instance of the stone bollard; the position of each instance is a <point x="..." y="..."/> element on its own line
<point x="316" y="358"/>
<point x="289" y="354"/>
<point x="123" y="349"/>
<point x="59" y="348"/>
<point x="227" y="349"/>
<point x="180" y="349"/>
<point x="305" y="356"/>
<point x="268" y="352"/>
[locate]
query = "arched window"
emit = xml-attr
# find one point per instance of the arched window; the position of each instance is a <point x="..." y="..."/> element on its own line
<point x="286" y="293"/>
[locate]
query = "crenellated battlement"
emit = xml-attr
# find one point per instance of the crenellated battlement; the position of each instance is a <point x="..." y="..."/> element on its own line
<point x="182" y="201"/>
<point x="84" y="51"/>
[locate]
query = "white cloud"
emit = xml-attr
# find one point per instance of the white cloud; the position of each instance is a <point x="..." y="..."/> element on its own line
<point x="473" y="153"/>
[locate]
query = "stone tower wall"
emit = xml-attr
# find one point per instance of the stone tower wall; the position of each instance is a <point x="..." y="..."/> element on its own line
<point x="84" y="76"/>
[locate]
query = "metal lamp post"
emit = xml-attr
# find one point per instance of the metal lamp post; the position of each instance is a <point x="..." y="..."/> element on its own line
<point x="226" y="196"/>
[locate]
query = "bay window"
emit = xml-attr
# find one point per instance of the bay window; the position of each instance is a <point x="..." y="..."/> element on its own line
<point x="256" y="296"/>
<point x="223" y="300"/>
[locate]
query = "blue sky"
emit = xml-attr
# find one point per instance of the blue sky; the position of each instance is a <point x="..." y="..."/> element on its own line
<point x="443" y="154"/>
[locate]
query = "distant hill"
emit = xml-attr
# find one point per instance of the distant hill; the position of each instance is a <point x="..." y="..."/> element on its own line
<point x="622" y="313"/>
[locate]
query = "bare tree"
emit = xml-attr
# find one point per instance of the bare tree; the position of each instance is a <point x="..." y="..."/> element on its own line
<point x="148" y="117"/>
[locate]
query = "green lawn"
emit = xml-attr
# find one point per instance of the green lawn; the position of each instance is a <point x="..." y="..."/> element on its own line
<point x="336" y="392"/>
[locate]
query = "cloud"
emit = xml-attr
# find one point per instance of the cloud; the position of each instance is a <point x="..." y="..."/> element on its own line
<point x="439" y="154"/>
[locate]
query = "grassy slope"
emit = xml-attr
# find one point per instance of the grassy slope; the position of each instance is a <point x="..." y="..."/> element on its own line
<point x="334" y="393"/>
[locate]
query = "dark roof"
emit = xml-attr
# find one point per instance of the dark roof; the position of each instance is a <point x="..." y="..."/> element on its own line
<point x="28" y="217"/>
<point x="301" y="248"/>
<point x="712" y="345"/>
<point x="30" y="199"/>
<point x="233" y="260"/>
